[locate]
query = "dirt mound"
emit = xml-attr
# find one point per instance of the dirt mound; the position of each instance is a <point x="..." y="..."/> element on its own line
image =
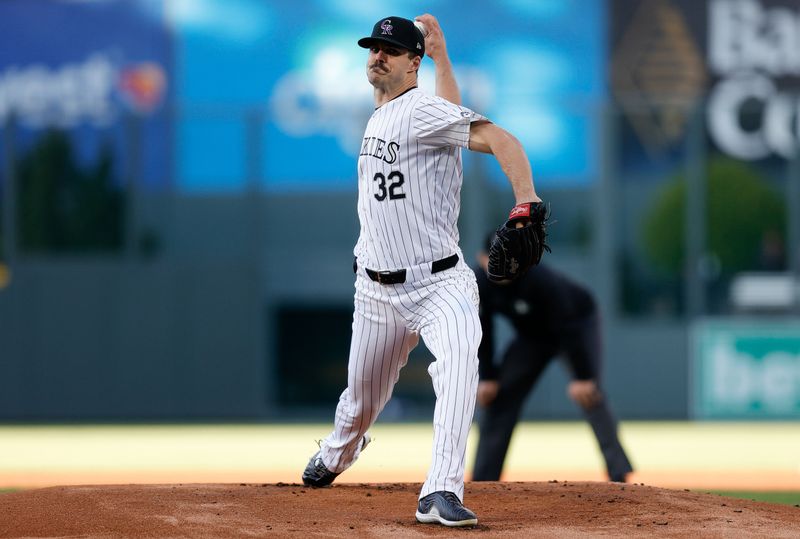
<point x="553" y="509"/>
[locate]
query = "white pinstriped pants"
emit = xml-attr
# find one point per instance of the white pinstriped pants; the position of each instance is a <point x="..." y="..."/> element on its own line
<point x="387" y="323"/>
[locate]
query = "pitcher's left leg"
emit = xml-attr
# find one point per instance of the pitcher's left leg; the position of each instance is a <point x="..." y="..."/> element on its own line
<point x="452" y="333"/>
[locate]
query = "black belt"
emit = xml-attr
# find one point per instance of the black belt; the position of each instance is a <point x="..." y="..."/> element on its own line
<point x="399" y="276"/>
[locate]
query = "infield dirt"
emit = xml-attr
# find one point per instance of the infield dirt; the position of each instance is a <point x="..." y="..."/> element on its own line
<point x="533" y="510"/>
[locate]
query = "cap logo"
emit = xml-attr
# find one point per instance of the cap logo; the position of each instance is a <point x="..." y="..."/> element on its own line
<point x="386" y="26"/>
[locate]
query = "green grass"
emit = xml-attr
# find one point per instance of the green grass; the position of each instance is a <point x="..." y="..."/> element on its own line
<point x="788" y="498"/>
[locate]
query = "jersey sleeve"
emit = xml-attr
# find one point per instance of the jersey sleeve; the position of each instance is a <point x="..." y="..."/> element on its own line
<point x="437" y="122"/>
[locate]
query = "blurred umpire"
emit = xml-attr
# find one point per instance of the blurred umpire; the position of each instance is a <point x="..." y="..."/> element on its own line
<point x="551" y="316"/>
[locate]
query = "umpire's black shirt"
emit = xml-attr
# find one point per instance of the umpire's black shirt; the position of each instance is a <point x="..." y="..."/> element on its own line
<point x="543" y="306"/>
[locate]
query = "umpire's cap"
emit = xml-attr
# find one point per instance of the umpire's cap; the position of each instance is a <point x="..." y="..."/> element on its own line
<point x="397" y="31"/>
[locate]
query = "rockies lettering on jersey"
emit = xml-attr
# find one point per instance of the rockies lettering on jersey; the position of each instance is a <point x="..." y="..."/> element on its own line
<point x="409" y="181"/>
<point x="374" y="147"/>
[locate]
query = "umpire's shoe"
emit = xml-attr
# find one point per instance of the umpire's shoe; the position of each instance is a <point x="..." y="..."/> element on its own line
<point x="443" y="507"/>
<point x="317" y="474"/>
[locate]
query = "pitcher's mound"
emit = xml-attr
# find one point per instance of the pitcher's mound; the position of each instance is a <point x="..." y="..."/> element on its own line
<point x="554" y="509"/>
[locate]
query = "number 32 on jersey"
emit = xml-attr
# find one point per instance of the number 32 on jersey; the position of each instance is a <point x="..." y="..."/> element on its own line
<point x="390" y="186"/>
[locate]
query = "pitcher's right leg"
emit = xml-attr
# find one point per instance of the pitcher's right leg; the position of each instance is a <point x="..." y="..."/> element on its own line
<point x="379" y="349"/>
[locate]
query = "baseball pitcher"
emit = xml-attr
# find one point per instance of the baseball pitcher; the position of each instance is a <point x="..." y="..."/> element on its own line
<point x="411" y="279"/>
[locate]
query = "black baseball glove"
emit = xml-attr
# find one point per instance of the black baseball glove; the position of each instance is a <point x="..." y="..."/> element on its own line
<point x="514" y="250"/>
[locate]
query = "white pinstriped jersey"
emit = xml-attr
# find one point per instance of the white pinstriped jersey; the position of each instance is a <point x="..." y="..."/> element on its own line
<point x="409" y="181"/>
<point x="409" y="184"/>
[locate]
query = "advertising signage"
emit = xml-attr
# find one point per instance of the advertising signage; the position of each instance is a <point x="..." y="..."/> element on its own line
<point x="274" y="93"/>
<point x="741" y="58"/>
<point x="86" y="68"/>
<point x="746" y="369"/>
<point x="295" y="70"/>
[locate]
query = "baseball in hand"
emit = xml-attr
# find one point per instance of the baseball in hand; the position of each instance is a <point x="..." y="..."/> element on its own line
<point x="421" y="28"/>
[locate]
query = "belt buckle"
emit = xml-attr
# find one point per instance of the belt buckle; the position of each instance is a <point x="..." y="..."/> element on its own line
<point x="382" y="275"/>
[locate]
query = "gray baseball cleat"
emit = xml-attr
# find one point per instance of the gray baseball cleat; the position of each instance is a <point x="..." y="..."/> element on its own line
<point x="317" y="474"/>
<point x="444" y="507"/>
